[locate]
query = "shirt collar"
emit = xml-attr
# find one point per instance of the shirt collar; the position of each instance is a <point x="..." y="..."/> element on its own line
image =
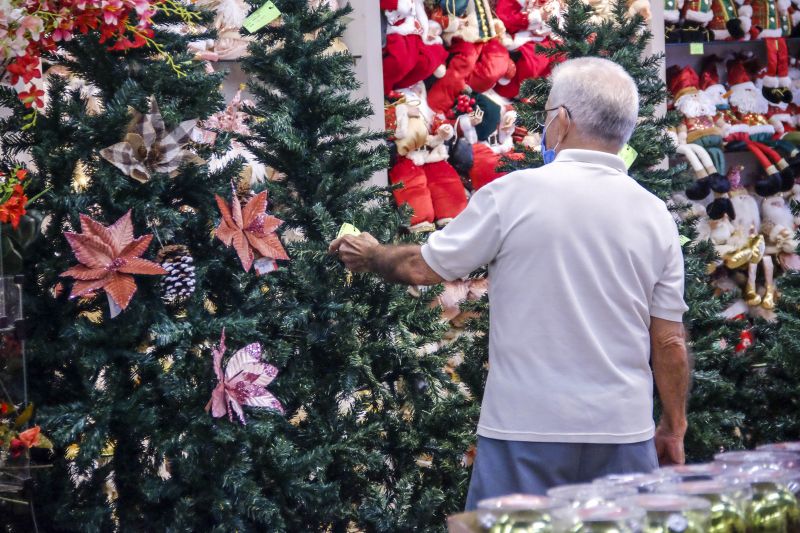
<point x="574" y="155"/>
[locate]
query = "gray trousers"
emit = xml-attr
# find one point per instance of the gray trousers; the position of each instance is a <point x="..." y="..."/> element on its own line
<point x="506" y="467"/>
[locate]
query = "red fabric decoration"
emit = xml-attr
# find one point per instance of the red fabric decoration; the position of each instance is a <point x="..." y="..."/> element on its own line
<point x="446" y="191"/>
<point x="485" y="164"/>
<point x="478" y="65"/>
<point x="414" y="191"/>
<point x="512" y="15"/>
<point x="407" y="60"/>
<point x="531" y="64"/>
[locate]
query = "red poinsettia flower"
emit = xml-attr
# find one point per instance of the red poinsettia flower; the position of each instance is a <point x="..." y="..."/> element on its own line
<point x="24" y="67"/>
<point x="109" y="257"/>
<point x="14" y="208"/>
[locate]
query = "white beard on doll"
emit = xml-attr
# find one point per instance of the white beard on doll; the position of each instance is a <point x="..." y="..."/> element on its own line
<point x="696" y="105"/>
<point x="776" y="211"/>
<point x="748" y="218"/>
<point x="748" y="100"/>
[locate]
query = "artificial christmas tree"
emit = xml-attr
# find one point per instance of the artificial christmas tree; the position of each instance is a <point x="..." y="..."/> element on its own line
<point x="378" y="430"/>
<point x="125" y="396"/>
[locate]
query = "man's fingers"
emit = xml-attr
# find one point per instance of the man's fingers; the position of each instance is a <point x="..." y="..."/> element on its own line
<point x="334" y="245"/>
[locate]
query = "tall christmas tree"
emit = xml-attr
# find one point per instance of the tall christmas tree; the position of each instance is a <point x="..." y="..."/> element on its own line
<point x="127" y="291"/>
<point x="379" y="431"/>
<point x="717" y="403"/>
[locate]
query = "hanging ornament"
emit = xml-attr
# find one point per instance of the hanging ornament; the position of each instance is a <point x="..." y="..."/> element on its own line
<point x="109" y="256"/>
<point x="80" y="179"/>
<point x="148" y="147"/>
<point x="243" y="382"/>
<point x="251" y="231"/>
<point x="178" y="285"/>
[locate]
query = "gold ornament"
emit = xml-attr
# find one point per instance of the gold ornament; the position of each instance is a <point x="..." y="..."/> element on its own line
<point x="80" y="179"/>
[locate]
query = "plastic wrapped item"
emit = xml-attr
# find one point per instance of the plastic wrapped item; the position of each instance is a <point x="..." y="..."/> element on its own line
<point x="517" y="513"/>
<point x="728" y="501"/>
<point x="670" y="513"/>
<point x="643" y="483"/>
<point x="773" y="507"/>
<point x="602" y="518"/>
<point x="786" y="460"/>
<point x="793" y="447"/>
<point x="697" y="472"/>
<point x="590" y="494"/>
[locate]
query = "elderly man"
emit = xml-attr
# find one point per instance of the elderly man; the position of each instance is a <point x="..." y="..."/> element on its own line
<point x="586" y="291"/>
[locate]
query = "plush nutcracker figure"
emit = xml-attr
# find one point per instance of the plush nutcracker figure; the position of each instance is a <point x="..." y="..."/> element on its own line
<point x="729" y="21"/>
<point x="478" y="59"/>
<point x="526" y="24"/>
<point x="412" y="52"/>
<point x="697" y="15"/>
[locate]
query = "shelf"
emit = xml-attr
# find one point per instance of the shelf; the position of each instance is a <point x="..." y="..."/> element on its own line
<point x="727" y="44"/>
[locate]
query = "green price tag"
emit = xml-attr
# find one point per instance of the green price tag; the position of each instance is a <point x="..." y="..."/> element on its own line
<point x="261" y="17"/>
<point x="696" y="49"/>
<point x="683" y="239"/>
<point x="348" y="229"/>
<point x="628" y="155"/>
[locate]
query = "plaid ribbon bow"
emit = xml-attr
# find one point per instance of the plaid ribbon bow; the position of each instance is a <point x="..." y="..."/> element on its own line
<point x="147" y="147"/>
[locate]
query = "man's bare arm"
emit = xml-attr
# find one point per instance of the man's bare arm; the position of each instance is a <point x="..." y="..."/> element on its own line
<point x="398" y="264"/>
<point x="403" y="264"/>
<point x="671" y="372"/>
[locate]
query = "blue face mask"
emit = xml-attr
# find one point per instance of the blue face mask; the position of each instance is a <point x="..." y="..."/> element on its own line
<point x="548" y="156"/>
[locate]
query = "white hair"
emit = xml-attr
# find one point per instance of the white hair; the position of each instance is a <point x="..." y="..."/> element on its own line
<point x="602" y="98"/>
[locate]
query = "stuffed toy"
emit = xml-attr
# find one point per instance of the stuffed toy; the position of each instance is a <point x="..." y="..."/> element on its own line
<point x="430" y="185"/>
<point x="478" y="60"/>
<point x="413" y="50"/>
<point x="494" y="139"/>
<point x="700" y="141"/>
<point x="526" y="24"/>
<point x="457" y="292"/>
<point x="730" y="21"/>
<point x="672" y="20"/>
<point x="747" y="126"/>
<point x="230" y="44"/>
<point x="696" y="15"/>
<point x="408" y="118"/>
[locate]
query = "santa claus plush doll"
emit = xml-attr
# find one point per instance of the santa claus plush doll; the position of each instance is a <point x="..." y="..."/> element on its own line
<point x="478" y="59"/>
<point x="747" y="126"/>
<point x="700" y="141"/>
<point x="413" y="50"/>
<point x="526" y="22"/>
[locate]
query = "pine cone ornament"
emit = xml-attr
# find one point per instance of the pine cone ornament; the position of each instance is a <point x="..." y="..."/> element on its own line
<point x="178" y="285"/>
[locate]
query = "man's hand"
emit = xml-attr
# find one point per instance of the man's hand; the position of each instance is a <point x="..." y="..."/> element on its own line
<point x="355" y="251"/>
<point x="669" y="446"/>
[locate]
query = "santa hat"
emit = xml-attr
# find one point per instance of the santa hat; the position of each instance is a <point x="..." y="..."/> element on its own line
<point x="683" y="82"/>
<point x="709" y="76"/>
<point x="737" y="74"/>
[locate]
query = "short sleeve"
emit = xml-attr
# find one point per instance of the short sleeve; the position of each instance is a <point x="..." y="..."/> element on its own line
<point x="469" y="241"/>
<point x="668" y="302"/>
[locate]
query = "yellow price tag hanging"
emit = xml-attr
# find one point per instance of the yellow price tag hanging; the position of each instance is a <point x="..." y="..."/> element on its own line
<point x="261" y="17"/>
<point x="628" y="155"/>
<point x="348" y="229"/>
<point x="696" y="49"/>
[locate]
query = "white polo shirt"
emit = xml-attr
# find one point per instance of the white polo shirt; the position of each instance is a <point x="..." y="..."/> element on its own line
<point x="580" y="257"/>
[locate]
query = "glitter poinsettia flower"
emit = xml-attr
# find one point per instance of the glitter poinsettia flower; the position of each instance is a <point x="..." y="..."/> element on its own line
<point x="242" y="381"/>
<point x="109" y="256"/>
<point x="250" y="230"/>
